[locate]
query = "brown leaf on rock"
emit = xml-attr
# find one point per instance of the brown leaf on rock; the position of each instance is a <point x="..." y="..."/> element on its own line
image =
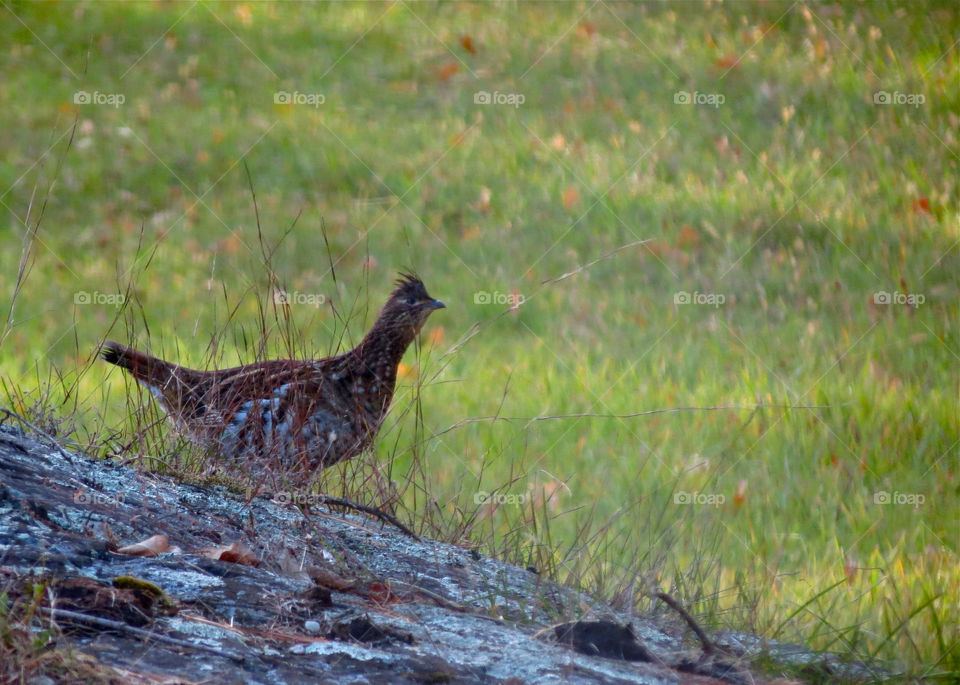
<point x="151" y="547"/>
<point x="380" y="593"/>
<point x="237" y="553"/>
<point x="328" y="579"/>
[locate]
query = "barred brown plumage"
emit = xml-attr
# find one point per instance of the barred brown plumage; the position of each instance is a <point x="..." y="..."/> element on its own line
<point x="290" y="414"/>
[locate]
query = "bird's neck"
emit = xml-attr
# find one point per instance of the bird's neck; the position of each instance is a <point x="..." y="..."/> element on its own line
<point x="382" y="348"/>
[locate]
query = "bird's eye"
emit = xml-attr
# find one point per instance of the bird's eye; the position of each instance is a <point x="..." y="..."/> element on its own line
<point x="411" y="301"/>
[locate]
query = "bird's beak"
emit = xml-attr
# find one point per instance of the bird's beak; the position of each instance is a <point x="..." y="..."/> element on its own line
<point x="437" y="304"/>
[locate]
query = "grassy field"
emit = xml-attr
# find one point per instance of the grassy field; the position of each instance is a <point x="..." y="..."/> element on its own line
<point x="792" y="170"/>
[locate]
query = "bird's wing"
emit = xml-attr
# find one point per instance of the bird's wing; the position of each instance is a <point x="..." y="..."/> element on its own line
<point x="300" y="387"/>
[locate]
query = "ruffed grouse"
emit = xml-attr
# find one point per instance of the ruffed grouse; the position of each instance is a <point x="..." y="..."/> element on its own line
<point x="290" y="414"/>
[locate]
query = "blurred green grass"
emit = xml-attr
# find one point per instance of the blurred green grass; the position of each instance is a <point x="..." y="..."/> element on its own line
<point x="797" y="199"/>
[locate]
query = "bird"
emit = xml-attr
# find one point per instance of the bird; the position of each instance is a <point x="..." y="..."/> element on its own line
<point x="287" y="414"/>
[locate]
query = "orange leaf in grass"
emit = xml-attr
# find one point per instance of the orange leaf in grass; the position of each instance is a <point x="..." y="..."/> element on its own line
<point x="406" y="372"/>
<point x="436" y="335"/>
<point x="570" y="197"/>
<point x="516" y="299"/>
<point x="467" y="43"/>
<point x="586" y="29"/>
<point x="850" y="568"/>
<point x="447" y="70"/>
<point x="740" y="496"/>
<point x="689" y="237"/>
<point x="920" y="206"/>
<point x="728" y="61"/>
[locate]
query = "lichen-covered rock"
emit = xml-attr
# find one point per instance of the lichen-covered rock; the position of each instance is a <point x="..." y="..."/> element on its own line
<point x="335" y="598"/>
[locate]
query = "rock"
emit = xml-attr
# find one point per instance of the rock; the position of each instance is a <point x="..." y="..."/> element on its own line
<point x="393" y="608"/>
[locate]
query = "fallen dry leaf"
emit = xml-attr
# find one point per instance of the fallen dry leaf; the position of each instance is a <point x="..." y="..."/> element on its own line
<point x="741" y="494"/>
<point x="586" y="29"/>
<point x="689" y="237"/>
<point x="728" y="61"/>
<point x="467" y="43"/>
<point x="329" y="579"/>
<point x="237" y="553"/>
<point x="570" y="197"/>
<point x="850" y="568"/>
<point x="151" y="547"/>
<point x="447" y="70"/>
<point x="380" y="593"/>
<point x="483" y="204"/>
<point x="436" y="335"/>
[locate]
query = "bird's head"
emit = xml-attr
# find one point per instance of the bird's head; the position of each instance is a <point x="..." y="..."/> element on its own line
<point x="409" y="304"/>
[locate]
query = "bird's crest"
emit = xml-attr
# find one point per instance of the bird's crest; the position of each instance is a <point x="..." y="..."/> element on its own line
<point x="409" y="283"/>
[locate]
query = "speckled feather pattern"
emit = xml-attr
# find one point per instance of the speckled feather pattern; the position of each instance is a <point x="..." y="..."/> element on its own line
<point x="290" y="414"/>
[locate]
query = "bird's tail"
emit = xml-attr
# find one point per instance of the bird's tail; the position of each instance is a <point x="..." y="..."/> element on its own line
<point x="149" y="370"/>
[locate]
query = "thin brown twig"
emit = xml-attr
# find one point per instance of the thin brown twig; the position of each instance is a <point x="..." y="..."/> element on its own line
<point x="120" y="626"/>
<point x="373" y="511"/>
<point x="706" y="643"/>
